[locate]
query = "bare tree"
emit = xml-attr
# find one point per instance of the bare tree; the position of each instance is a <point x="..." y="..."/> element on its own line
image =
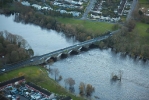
<point x="50" y="71"/>
<point x="130" y="24"/>
<point x="82" y="89"/>
<point x="56" y="72"/>
<point x="60" y="78"/>
<point x="71" y="83"/>
<point x="120" y="74"/>
<point x="66" y="82"/>
<point x="89" y="90"/>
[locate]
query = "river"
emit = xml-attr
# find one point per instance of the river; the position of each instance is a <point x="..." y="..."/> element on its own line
<point x="96" y="66"/>
<point x="92" y="67"/>
<point x="41" y="40"/>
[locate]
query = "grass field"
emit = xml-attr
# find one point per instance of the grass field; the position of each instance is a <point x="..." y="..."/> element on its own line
<point x="143" y="1"/>
<point x="141" y="29"/>
<point x="100" y="27"/>
<point x="39" y="76"/>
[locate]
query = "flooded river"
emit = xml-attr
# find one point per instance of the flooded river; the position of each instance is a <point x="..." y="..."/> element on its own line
<point x="92" y="67"/>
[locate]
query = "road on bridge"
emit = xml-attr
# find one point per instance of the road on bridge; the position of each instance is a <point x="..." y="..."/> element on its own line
<point x="39" y="58"/>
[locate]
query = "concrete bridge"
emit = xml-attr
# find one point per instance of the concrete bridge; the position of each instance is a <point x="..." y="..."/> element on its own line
<point x="56" y="55"/>
<point x="65" y="52"/>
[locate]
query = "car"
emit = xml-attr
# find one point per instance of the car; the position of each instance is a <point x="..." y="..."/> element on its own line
<point x="32" y="60"/>
<point x="3" y="70"/>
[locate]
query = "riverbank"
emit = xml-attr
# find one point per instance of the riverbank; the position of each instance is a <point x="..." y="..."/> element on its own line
<point x="133" y="37"/>
<point x="135" y="43"/>
<point x="127" y="40"/>
<point x="81" y="31"/>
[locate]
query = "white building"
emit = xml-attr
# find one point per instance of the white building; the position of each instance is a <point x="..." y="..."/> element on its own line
<point x="38" y="7"/>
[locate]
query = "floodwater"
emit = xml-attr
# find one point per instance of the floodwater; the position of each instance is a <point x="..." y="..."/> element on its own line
<point x="92" y="67"/>
<point x="42" y="41"/>
<point x="96" y="66"/>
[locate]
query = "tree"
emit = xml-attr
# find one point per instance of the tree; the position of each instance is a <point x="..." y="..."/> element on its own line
<point x="56" y="73"/>
<point x="50" y="71"/>
<point x="89" y="90"/>
<point x="130" y="24"/>
<point x="30" y="52"/>
<point x="120" y="74"/>
<point x="66" y="82"/>
<point x="14" y="56"/>
<point x="147" y="30"/>
<point x="11" y="47"/>
<point x="71" y="83"/>
<point x="140" y="13"/>
<point x="82" y="89"/>
<point x="115" y="26"/>
<point x="144" y="51"/>
<point x="60" y="78"/>
<point x="1" y="48"/>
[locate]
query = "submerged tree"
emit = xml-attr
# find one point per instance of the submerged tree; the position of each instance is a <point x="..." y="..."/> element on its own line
<point x="71" y="84"/>
<point x="56" y="73"/>
<point x="89" y="90"/>
<point x="86" y="89"/>
<point x="82" y="89"/>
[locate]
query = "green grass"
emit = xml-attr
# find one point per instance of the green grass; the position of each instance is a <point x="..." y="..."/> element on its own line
<point x="100" y="27"/>
<point x="39" y="76"/>
<point x="141" y="30"/>
<point x="143" y="1"/>
<point x="123" y="18"/>
<point x="141" y="27"/>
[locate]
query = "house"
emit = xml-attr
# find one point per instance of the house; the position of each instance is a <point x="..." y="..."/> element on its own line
<point x="25" y="3"/>
<point x="38" y="7"/>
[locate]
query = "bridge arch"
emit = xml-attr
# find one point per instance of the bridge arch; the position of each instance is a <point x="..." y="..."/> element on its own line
<point x="51" y="59"/>
<point x="93" y="45"/>
<point x="84" y="49"/>
<point x="63" y="55"/>
<point x="74" y="52"/>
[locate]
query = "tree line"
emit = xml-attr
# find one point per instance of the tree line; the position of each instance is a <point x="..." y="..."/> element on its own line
<point x="13" y="48"/>
<point x="128" y="40"/>
<point x="26" y="15"/>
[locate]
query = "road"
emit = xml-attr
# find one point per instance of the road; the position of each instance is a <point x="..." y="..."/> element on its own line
<point x="133" y="6"/>
<point x="39" y="58"/>
<point x="88" y="8"/>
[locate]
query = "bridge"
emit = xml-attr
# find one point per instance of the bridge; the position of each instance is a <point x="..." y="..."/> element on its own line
<point x="55" y="55"/>
<point x="72" y="50"/>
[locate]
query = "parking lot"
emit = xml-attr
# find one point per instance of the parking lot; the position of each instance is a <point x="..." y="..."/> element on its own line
<point x="22" y="90"/>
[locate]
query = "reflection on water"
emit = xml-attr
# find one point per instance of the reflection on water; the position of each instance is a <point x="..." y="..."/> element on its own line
<point x="41" y="40"/>
<point x="95" y="67"/>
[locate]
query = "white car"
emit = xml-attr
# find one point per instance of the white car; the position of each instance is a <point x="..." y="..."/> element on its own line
<point x="32" y="60"/>
<point x="3" y="70"/>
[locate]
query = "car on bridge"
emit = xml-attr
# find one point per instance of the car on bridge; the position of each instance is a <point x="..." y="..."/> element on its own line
<point x="31" y="60"/>
<point x="3" y="70"/>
